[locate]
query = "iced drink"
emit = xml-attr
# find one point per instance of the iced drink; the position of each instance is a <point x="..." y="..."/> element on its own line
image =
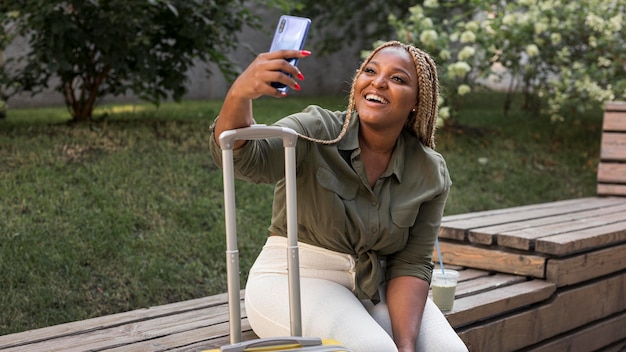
<point x="444" y="288"/>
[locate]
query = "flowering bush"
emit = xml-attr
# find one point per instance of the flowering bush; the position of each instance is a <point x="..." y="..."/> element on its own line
<point x="570" y="54"/>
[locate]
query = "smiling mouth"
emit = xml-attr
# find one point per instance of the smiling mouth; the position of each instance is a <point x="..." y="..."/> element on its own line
<point x="376" y="99"/>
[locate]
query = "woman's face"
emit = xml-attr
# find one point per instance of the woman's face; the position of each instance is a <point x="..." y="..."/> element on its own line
<point x="386" y="89"/>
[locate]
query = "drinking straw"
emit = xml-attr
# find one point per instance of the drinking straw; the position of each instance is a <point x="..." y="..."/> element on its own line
<point x="443" y="272"/>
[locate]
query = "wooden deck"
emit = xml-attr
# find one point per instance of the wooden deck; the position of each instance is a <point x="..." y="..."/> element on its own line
<point x="542" y="277"/>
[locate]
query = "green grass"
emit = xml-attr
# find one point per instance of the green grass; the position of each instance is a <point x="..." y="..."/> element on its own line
<point x="126" y="212"/>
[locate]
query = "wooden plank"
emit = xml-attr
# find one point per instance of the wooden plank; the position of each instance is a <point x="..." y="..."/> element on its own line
<point x="589" y="338"/>
<point x="586" y="266"/>
<point x="525" y="238"/>
<point x="484" y="305"/>
<point x="456" y="228"/>
<point x="615" y="106"/>
<point x="488" y="235"/>
<point x="511" y="262"/>
<point x="582" y="240"/>
<point x="611" y="190"/>
<point x="129" y="333"/>
<point x="112" y="320"/>
<point x="567" y="310"/>
<point x="611" y="173"/>
<point x="613" y="146"/>
<point x="193" y="340"/>
<point x="484" y="283"/>
<point x="614" y="121"/>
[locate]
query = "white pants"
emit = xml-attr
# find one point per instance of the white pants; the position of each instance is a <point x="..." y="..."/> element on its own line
<point x="329" y="308"/>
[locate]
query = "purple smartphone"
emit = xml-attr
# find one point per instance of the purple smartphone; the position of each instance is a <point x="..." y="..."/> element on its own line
<point x="290" y="34"/>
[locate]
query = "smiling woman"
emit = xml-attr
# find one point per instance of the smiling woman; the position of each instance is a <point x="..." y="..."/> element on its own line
<point x="371" y="194"/>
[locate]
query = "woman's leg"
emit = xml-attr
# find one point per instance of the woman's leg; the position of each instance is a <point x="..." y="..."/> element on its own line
<point x="435" y="334"/>
<point x="329" y="308"/>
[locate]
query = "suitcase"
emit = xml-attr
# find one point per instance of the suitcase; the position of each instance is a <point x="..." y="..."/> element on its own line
<point x="295" y="342"/>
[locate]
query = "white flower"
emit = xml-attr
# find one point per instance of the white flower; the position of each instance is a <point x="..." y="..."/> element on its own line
<point x="459" y="69"/>
<point x="428" y="37"/>
<point x="466" y="53"/>
<point x="472" y="26"/>
<point x="433" y="4"/>
<point x="463" y="89"/>
<point x="604" y="62"/>
<point x="468" y="37"/>
<point x="532" y="50"/>
<point x="508" y="19"/>
<point x="540" y="27"/>
<point x="527" y="2"/>
<point x="593" y="41"/>
<point x="444" y="113"/>
<point x="595" y="22"/>
<point x="615" y="23"/>
<point x="426" y="23"/>
<point x="555" y="38"/>
<point x="454" y="37"/>
<point x="445" y="55"/>
<point x="483" y="160"/>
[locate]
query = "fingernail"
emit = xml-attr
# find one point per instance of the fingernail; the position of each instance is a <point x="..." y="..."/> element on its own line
<point x="300" y="76"/>
<point x="305" y="52"/>
<point x="296" y="86"/>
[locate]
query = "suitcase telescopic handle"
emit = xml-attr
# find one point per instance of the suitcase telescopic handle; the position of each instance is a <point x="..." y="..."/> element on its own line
<point x="227" y="139"/>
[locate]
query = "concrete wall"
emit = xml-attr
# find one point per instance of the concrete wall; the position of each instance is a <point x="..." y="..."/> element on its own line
<point x="325" y="75"/>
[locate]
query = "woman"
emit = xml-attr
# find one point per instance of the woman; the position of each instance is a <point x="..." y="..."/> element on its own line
<point x="371" y="194"/>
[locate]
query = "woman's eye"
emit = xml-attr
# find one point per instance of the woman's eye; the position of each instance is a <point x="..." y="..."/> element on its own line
<point x="368" y="70"/>
<point x="398" y="79"/>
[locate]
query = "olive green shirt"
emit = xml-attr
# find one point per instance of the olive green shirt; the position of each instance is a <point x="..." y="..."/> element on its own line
<point x="398" y="220"/>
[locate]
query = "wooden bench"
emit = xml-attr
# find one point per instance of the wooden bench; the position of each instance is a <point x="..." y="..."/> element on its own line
<point x="544" y="277"/>
<point x="578" y="245"/>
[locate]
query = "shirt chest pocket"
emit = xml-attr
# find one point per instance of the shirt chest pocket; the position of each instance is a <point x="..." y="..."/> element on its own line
<point x="404" y="217"/>
<point x="343" y="187"/>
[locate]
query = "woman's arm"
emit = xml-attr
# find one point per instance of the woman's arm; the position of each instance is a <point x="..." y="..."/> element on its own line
<point x="254" y="82"/>
<point x="406" y="298"/>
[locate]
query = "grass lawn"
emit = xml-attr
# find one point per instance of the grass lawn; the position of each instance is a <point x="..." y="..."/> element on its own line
<point x="126" y="212"/>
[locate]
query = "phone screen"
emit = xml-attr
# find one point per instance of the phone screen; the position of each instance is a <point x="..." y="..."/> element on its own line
<point x="290" y="34"/>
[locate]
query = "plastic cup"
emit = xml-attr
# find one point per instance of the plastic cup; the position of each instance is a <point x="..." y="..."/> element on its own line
<point x="444" y="288"/>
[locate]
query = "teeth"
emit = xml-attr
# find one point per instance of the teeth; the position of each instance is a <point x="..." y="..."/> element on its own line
<point x="376" y="98"/>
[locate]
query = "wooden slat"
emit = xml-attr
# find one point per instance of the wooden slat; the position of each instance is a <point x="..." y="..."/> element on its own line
<point x="567" y="310"/>
<point x="611" y="190"/>
<point x="498" y="301"/>
<point x="590" y="338"/>
<point x="583" y="240"/>
<point x="456" y="228"/>
<point x="129" y="334"/>
<point x="517" y="263"/>
<point x="612" y="173"/>
<point x="583" y="267"/>
<point x="487" y="235"/>
<point x="110" y="321"/>
<point x="613" y="146"/>
<point x="615" y="106"/>
<point x="614" y="121"/>
<point x="525" y="238"/>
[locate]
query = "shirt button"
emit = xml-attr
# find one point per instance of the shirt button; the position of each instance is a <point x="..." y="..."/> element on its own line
<point x="374" y="229"/>
<point x="374" y="203"/>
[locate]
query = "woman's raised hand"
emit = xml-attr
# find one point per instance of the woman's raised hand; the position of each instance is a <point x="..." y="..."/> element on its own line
<point x="257" y="79"/>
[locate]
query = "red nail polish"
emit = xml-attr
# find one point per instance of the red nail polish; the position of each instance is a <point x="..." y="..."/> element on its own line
<point x="305" y="52"/>
<point x="296" y="86"/>
<point x="301" y="76"/>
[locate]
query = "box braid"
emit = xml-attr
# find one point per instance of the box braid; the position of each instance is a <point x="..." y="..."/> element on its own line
<point x="423" y="120"/>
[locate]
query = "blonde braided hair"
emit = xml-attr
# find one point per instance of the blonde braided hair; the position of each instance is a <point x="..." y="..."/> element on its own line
<point x="421" y="122"/>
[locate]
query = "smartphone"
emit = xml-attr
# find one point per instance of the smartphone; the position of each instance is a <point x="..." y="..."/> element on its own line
<point x="290" y="34"/>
